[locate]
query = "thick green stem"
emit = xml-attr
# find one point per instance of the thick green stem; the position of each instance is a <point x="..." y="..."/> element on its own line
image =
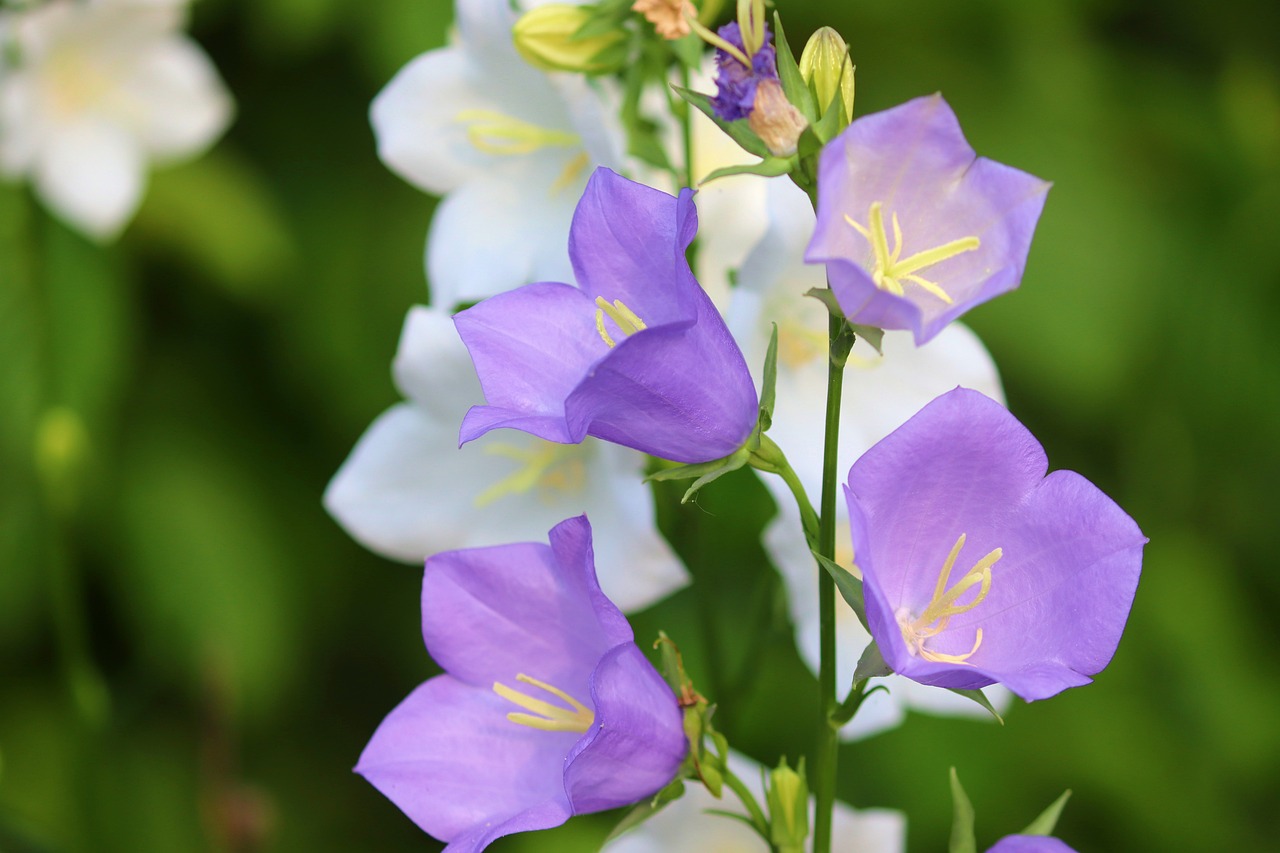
<point x="828" y="745"/>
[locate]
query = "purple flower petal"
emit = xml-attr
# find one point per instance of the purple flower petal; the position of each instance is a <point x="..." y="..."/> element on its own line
<point x="637" y="742"/>
<point x="547" y="708"/>
<point x="1030" y="844"/>
<point x="552" y="363"/>
<point x="1064" y="559"/>
<point x="449" y="759"/>
<point x="912" y="163"/>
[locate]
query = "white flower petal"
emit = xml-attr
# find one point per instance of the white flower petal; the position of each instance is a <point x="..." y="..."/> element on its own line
<point x="177" y="100"/>
<point x="507" y="228"/>
<point x="432" y="366"/>
<point x="91" y="174"/>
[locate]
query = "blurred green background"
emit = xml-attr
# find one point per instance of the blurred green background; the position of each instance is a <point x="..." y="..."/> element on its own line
<point x="225" y="355"/>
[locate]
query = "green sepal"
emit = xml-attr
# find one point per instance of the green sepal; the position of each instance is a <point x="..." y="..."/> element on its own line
<point x="853" y="702"/>
<point x="793" y="84"/>
<point x="1048" y="819"/>
<point x="738" y="130"/>
<point x="962" y="837"/>
<point x="769" y="167"/>
<point x="704" y="472"/>
<point x="788" y="799"/>
<point x="871" y="664"/>
<point x="828" y="299"/>
<point x="871" y="334"/>
<point x="850" y="587"/>
<point x="980" y="698"/>
<point x="827" y="127"/>
<point x="642" y="811"/>
<point x="769" y="381"/>
<point x="605" y="18"/>
<point x="808" y="146"/>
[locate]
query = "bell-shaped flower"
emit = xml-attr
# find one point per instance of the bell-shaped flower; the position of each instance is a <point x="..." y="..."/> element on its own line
<point x="546" y="708"/>
<point x="636" y="354"/>
<point x="976" y="567"/>
<point x="913" y="227"/>
<point x="407" y="490"/>
<point x="684" y="826"/>
<point x="508" y="146"/>
<point x="91" y="91"/>
<point x="881" y="391"/>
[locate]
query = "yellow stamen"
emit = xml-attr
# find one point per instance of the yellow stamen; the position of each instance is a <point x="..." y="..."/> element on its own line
<point x="497" y="133"/>
<point x="933" y="621"/>
<point x="545" y="716"/>
<point x="550" y="466"/>
<point x="890" y="272"/>
<point x="622" y="316"/>
<point x="715" y="41"/>
<point x="572" y="171"/>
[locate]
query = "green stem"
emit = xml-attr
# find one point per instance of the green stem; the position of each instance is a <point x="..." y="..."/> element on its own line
<point x="686" y="128"/>
<point x="828" y="746"/>
<point x="758" y="819"/>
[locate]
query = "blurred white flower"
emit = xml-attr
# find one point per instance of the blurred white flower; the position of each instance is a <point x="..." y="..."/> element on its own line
<point x="90" y="92"/>
<point x="684" y="827"/>
<point x="407" y="490"/>
<point x="880" y="393"/>
<point x="508" y="146"/>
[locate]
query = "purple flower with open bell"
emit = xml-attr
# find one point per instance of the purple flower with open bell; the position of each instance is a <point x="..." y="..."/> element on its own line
<point x="977" y="568"/>
<point x="914" y="227"/>
<point x="636" y="354"/>
<point x="547" y="707"/>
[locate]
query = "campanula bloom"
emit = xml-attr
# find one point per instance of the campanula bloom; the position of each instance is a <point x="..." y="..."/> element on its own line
<point x="508" y="146"/>
<point x="636" y="354"/>
<point x="913" y="227"/>
<point x="91" y="91"/>
<point x="1030" y="844"/>
<point x="880" y="392"/>
<point x="546" y="708"/>
<point x="976" y="567"/>
<point x="407" y="490"/>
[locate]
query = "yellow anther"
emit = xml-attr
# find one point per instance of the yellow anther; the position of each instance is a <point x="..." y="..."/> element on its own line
<point x="544" y="715"/>
<point x="497" y="133"/>
<point x="571" y="172"/>
<point x="890" y="273"/>
<point x="622" y="316"/>
<point x="547" y="465"/>
<point x="916" y="631"/>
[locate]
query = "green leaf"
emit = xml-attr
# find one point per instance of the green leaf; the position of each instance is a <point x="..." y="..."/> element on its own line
<point x="770" y="167"/>
<point x="850" y="587"/>
<point x="641" y="812"/>
<point x="826" y="128"/>
<point x="1048" y="819"/>
<point x="979" y="697"/>
<point x="962" y="837"/>
<point x="871" y="664"/>
<point x="738" y="130"/>
<point x="827" y="298"/>
<point x="793" y="85"/>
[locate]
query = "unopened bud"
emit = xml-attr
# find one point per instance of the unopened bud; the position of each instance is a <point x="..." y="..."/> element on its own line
<point x="547" y="38"/>
<point x="788" y="807"/>
<point x="775" y="120"/>
<point x="826" y="67"/>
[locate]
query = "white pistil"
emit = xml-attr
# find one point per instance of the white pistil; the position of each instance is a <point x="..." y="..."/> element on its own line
<point x="890" y="272"/>
<point x="916" y="631"/>
<point x="545" y="716"/>
<point x="622" y="316"/>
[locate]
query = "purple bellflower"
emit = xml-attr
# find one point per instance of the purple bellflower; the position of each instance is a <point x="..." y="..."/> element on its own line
<point x="914" y="228"/>
<point x="1030" y="844"/>
<point x="547" y="707"/>
<point x="977" y="568"/>
<point x="636" y="354"/>
<point x="735" y="82"/>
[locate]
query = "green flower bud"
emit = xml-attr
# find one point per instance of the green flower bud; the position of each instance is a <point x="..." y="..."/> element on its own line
<point x="788" y="807"/>
<point x="547" y="39"/>
<point x="826" y="67"/>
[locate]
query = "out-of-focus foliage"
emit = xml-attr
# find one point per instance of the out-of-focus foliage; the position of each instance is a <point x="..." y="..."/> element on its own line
<point x="225" y="355"/>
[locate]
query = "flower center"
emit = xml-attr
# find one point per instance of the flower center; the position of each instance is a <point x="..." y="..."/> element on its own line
<point x="545" y="464"/>
<point x="622" y="316"/>
<point x="917" y="631"/>
<point x="892" y="272"/>
<point x="498" y="133"/>
<point x="544" y="715"/>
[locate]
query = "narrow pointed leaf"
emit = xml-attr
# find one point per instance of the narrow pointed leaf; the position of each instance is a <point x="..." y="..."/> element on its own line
<point x="962" y="837"/>
<point x="1048" y="819"/>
